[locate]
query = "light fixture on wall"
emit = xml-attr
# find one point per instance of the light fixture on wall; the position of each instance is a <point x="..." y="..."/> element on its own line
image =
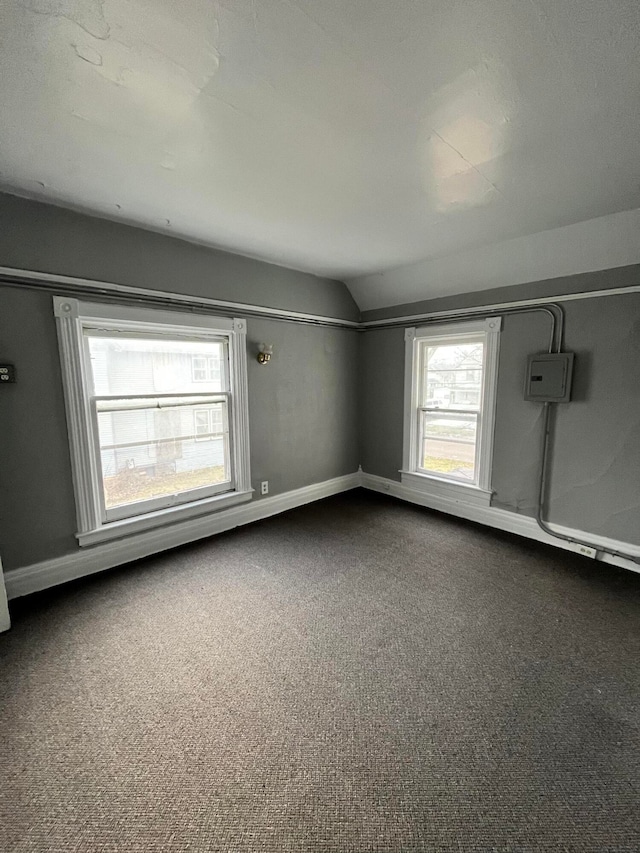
<point x="266" y="351"/>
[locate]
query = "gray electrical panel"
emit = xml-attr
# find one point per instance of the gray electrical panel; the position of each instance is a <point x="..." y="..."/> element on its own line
<point x="548" y="378"/>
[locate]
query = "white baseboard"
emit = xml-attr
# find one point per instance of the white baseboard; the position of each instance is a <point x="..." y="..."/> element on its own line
<point x="502" y="519"/>
<point x="87" y="561"/>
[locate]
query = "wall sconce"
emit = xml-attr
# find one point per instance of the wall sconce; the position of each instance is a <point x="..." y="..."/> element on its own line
<point x="266" y="351"/>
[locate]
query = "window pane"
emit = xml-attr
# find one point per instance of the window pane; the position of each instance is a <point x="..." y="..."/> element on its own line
<point x="156" y="452"/>
<point x="449" y="444"/>
<point x="452" y="376"/>
<point x="129" y="365"/>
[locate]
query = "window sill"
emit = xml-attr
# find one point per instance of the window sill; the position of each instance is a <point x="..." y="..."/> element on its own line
<point x="448" y="489"/>
<point x="160" y="518"/>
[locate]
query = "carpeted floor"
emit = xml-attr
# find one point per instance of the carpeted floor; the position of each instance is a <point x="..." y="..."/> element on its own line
<point x="356" y="675"/>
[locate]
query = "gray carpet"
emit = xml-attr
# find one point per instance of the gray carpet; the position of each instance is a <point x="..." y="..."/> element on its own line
<point x="355" y="675"/>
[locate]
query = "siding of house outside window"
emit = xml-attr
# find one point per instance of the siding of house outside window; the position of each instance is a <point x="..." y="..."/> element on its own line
<point x="122" y="369"/>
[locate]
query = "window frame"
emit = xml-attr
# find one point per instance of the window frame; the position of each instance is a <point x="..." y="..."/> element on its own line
<point x="416" y="339"/>
<point x="72" y="318"/>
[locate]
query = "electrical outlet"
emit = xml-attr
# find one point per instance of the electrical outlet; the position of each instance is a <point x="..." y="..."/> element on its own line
<point x="264" y="487"/>
<point x="588" y="552"/>
<point x="7" y="373"/>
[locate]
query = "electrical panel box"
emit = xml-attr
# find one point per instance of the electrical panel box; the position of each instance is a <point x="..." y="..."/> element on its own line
<point x="548" y="378"/>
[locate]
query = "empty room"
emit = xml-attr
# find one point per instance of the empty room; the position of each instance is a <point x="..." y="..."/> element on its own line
<point x="320" y="426"/>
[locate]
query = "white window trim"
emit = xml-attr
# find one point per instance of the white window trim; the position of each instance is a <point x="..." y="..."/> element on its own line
<point x="430" y="483"/>
<point x="72" y="316"/>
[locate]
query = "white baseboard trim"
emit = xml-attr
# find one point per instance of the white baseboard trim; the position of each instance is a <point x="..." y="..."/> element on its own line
<point x="502" y="519"/>
<point x="88" y="561"/>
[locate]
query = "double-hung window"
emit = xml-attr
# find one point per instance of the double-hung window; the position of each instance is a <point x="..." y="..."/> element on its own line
<point x="157" y="415"/>
<point x="450" y="384"/>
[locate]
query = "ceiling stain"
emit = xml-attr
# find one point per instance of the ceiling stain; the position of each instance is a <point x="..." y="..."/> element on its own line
<point x="88" y="54"/>
<point x="87" y="14"/>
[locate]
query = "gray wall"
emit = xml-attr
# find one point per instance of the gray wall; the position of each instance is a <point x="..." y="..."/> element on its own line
<point x="330" y="399"/>
<point x="580" y="283"/>
<point x="595" y="483"/>
<point x="302" y="406"/>
<point x="42" y="237"/>
<point x="381" y="401"/>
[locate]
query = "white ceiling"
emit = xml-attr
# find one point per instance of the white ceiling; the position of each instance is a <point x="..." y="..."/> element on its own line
<point x="342" y="137"/>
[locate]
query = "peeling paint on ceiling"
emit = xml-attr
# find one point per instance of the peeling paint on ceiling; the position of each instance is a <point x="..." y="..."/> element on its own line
<point x="340" y="138"/>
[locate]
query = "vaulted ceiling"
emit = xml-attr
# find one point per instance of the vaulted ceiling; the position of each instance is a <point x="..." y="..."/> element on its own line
<point x="342" y="137"/>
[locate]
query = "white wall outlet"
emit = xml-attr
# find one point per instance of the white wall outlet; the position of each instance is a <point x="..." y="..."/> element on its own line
<point x="264" y="487"/>
<point x="588" y="552"/>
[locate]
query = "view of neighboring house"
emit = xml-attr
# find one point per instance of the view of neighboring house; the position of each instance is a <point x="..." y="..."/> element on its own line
<point x="452" y="381"/>
<point x="152" y="435"/>
<point x="453" y="376"/>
